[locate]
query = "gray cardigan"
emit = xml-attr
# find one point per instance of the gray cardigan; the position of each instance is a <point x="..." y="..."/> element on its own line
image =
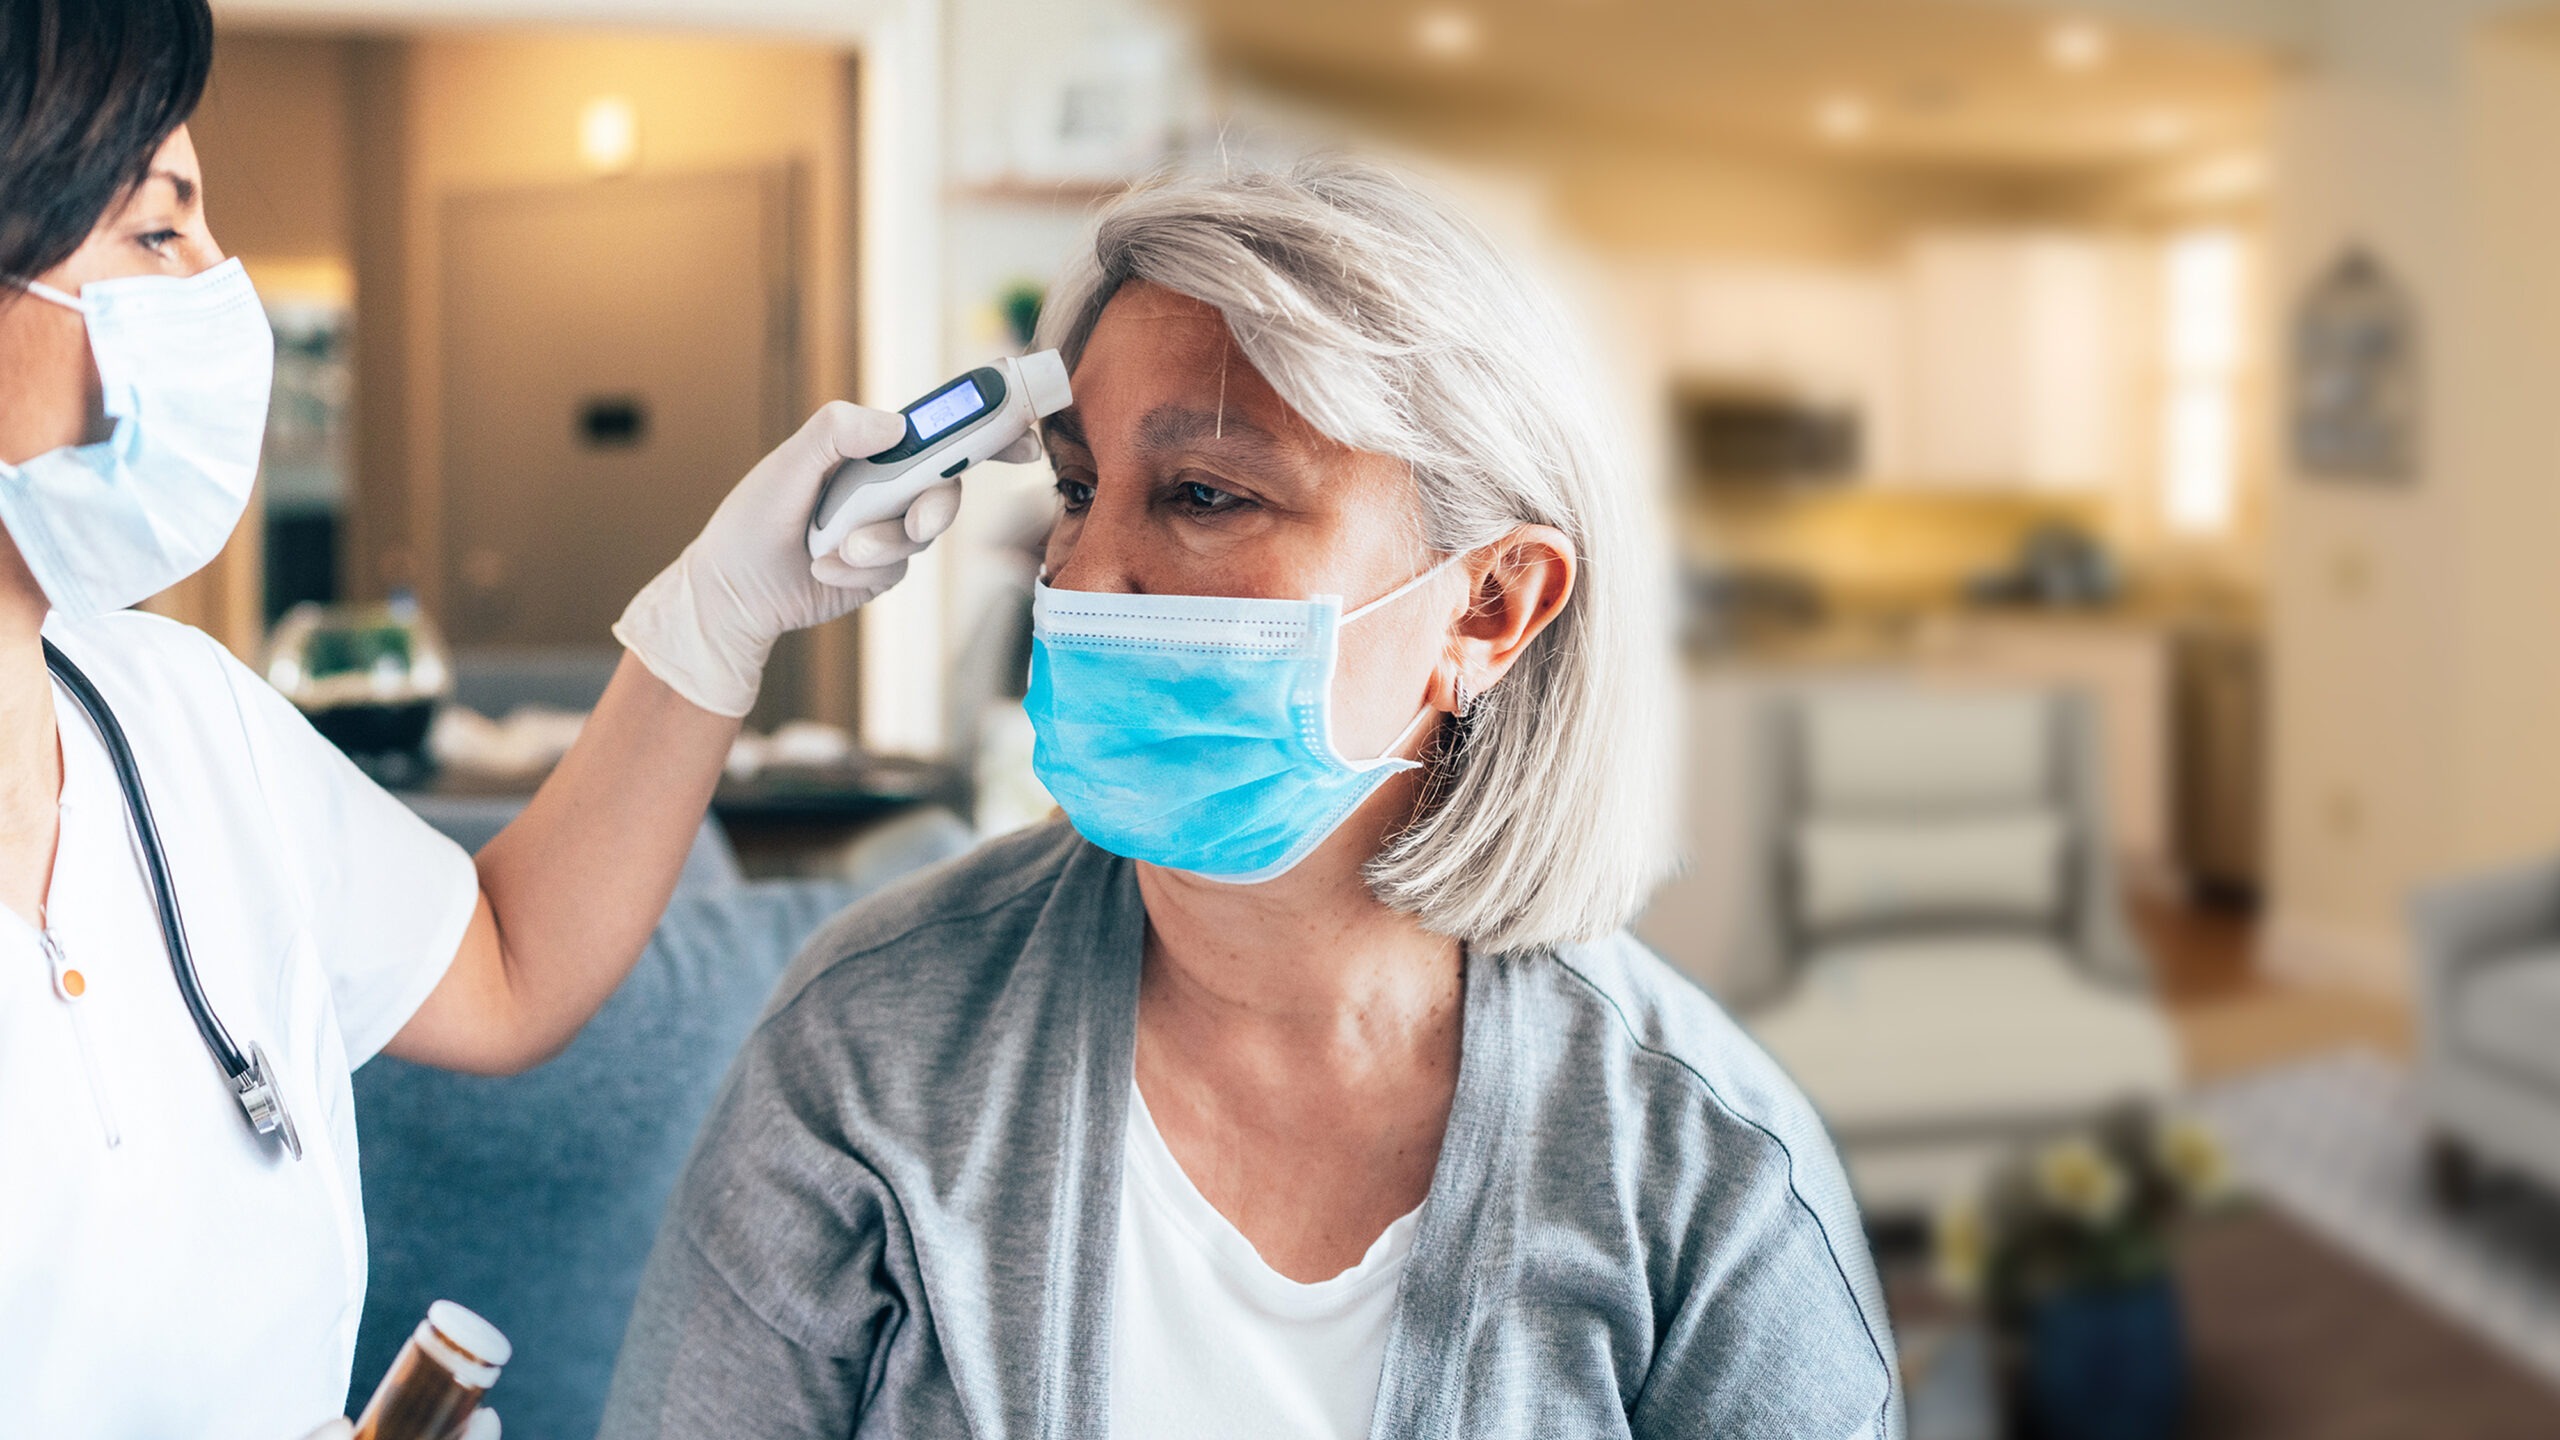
<point x="900" y="1218"/>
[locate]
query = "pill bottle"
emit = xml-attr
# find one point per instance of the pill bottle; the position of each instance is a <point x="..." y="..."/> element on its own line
<point x="437" y="1381"/>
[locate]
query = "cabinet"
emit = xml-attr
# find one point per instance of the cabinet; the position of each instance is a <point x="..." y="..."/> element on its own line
<point x="1823" y="336"/>
<point x="1977" y="360"/>
<point x="2019" y="356"/>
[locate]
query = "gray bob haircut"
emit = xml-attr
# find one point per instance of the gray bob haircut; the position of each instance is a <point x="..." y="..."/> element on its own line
<point x="1395" y="327"/>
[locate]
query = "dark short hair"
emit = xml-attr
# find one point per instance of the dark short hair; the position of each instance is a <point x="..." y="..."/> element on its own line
<point x="88" y="91"/>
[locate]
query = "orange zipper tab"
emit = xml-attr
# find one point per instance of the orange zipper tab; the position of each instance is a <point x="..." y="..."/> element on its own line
<point x="68" y="982"/>
<point x="70" y="985"/>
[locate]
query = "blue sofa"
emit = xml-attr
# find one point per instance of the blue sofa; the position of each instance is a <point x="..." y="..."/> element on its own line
<point x="534" y="1198"/>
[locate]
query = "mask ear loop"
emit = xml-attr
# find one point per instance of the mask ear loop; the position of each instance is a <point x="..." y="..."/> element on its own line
<point x="42" y="291"/>
<point x="1395" y="748"/>
<point x="1407" y="588"/>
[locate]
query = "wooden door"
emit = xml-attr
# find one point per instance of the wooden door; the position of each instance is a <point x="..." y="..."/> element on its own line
<point x="617" y="353"/>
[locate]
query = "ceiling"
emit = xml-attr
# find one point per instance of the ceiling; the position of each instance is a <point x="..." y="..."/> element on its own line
<point x="1965" y="83"/>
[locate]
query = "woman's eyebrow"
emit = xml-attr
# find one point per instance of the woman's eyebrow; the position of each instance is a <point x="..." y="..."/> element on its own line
<point x="184" y="185"/>
<point x="1183" y="427"/>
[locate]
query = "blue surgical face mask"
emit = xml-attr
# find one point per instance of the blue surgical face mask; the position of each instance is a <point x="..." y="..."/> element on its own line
<point x="1195" y="732"/>
<point x="184" y="364"/>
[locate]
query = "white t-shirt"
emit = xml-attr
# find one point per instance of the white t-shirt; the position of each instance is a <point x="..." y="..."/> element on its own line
<point x="1210" y="1343"/>
<point x="163" y="1270"/>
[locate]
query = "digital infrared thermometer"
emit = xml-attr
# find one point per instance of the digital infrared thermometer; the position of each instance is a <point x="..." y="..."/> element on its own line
<point x="949" y="430"/>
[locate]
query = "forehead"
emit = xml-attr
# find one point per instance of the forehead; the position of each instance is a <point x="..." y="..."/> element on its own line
<point x="1144" y="302"/>
<point x="173" y="175"/>
<point x="1154" y="352"/>
<point x="1151" y="336"/>
<point x="178" y="152"/>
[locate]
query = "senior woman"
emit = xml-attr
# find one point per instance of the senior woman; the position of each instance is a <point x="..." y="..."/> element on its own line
<point x="1278" y="1092"/>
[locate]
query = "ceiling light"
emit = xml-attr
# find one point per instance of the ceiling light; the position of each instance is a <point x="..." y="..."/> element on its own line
<point x="2078" y="45"/>
<point x="1843" y="118"/>
<point x="608" y="135"/>
<point x="1447" y="34"/>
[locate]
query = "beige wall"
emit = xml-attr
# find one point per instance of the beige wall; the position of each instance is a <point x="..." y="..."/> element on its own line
<point x="274" y="136"/>
<point x="2408" y="675"/>
<point x="2506" y="800"/>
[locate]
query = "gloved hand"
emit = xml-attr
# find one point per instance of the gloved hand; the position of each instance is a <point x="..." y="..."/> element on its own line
<point x="707" y="623"/>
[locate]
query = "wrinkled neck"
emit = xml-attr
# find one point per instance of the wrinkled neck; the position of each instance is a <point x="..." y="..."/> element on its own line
<point x="1311" y="949"/>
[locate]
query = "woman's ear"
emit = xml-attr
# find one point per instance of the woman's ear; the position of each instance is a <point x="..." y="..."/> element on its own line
<point x="1519" y="585"/>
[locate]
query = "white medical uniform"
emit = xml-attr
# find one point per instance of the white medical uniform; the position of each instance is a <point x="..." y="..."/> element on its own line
<point x="163" y="1270"/>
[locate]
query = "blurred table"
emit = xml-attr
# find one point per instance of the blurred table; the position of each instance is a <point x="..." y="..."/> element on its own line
<point x="776" y="818"/>
<point x="2291" y="1338"/>
<point x="2294" y="1337"/>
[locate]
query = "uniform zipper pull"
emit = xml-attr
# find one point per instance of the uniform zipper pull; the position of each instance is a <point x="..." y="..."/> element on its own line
<point x="71" y="986"/>
<point x="68" y="983"/>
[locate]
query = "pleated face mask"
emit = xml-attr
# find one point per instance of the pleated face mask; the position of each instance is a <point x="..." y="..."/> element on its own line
<point x="184" y="365"/>
<point x="1195" y="732"/>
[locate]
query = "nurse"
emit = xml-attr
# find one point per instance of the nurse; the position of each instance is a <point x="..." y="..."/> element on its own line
<point x="176" y="1257"/>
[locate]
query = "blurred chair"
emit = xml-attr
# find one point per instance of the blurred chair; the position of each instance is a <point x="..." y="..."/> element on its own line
<point x="2488" y="954"/>
<point x="1931" y="939"/>
<point x="534" y="1198"/>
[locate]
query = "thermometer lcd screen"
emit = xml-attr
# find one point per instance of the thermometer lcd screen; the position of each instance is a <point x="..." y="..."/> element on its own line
<point x="946" y="409"/>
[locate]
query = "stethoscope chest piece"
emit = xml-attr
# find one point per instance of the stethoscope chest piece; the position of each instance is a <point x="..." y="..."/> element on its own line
<point x="263" y="1101"/>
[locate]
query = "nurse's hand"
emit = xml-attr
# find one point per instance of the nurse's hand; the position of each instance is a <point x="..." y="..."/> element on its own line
<point x="707" y="623"/>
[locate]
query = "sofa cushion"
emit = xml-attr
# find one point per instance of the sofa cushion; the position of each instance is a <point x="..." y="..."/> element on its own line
<point x="1962" y="1035"/>
<point x="1870" y="751"/>
<point x="2507" y="1011"/>
<point x="534" y="1198"/>
<point x="1860" y="873"/>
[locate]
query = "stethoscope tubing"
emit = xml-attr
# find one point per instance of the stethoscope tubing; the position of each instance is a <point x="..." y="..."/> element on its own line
<point x="164" y="894"/>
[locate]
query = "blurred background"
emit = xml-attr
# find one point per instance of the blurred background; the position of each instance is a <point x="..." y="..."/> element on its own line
<point x="2108" y="448"/>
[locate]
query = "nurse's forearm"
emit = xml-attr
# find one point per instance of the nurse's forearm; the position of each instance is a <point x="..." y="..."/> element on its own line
<point x="570" y="892"/>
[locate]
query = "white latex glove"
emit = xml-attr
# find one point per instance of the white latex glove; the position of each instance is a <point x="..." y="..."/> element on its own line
<point x="707" y="623"/>
<point x="341" y="1428"/>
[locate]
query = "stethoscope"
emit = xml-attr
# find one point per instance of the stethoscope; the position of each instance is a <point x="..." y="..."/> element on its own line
<point x="252" y="1081"/>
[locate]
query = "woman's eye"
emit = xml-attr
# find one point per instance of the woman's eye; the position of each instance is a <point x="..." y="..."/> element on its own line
<point x="158" y="241"/>
<point x="1204" y="499"/>
<point x="1075" y="494"/>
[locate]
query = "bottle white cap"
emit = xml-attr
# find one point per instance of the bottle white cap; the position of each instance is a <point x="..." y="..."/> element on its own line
<point x="483" y="1347"/>
<point x="1044" y="382"/>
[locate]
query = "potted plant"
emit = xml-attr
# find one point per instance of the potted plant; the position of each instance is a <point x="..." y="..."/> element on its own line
<point x="2068" y="1250"/>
